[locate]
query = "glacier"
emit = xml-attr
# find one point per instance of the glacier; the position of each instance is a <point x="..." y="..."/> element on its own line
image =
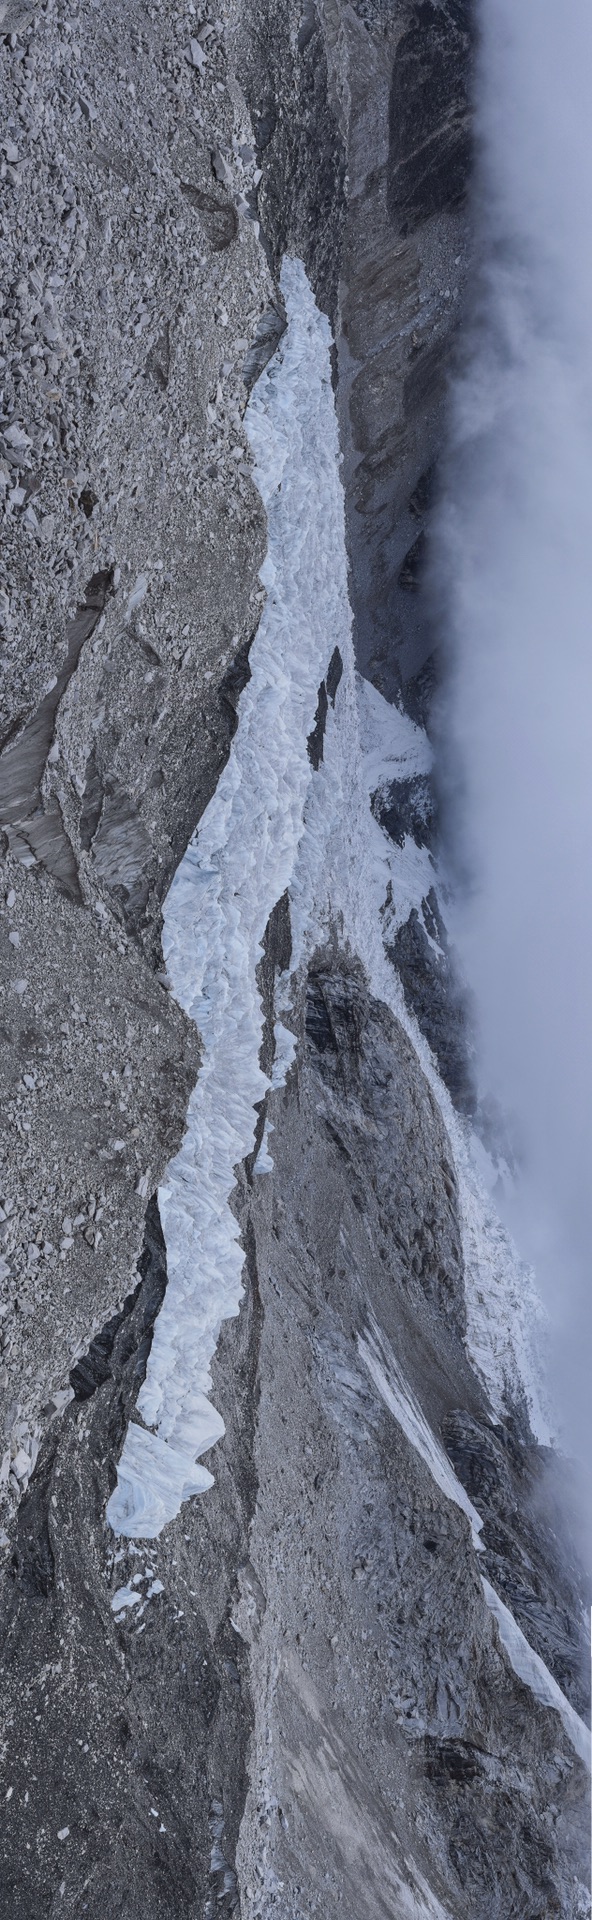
<point x="236" y="867"/>
<point x="274" y="824"/>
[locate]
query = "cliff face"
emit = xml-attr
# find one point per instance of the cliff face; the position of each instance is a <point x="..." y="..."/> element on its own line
<point x="397" y="1764"/>
<point x="354" y="1671"/>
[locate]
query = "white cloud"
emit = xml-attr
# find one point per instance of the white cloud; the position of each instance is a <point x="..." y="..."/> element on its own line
<point x="515" y="544"/>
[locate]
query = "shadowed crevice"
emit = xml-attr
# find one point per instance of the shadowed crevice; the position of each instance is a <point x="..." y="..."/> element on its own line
<point x="35" y="825"/>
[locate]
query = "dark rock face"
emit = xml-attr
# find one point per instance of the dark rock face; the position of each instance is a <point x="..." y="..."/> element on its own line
<point x="94" y="1368"/>
<point x="409" y="577"/>
<point x="404" y="261"/>
<point x="126" y="1736"/>
<point x="520" y="1491"/>
<point x="302" y="1666"/>
<point x="277" y="954"/>
<point x="420" y="950"/>
<point x="267" y="339"/>
<point x="442" y="1008"/>
<point x="334" y="674"/>
<point x="393" y="1748"/>
<point x="300" y="147"/>
<point x="361" y="1048"/>
<point x="430" y="113"/>
<point x="314" y="744"/>
<point x="407" y="808"/>
<point x="327" y="692"/>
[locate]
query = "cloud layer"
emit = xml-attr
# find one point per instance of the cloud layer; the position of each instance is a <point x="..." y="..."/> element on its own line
<point x="514" y="547"/>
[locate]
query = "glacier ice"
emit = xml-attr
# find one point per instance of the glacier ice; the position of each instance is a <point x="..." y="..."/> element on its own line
<point x="273" y="824"/>
<point x="235" y="869"/>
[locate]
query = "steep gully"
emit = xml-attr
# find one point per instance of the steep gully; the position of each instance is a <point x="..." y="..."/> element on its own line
<point x="375" y="1385"/>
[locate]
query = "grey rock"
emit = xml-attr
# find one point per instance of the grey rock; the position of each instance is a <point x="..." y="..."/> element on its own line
<point x="105" y="763"/>
<point x="139" y="1819"/>
<point x="22" y="764"/>
<point x="314" y="744"/>
<point x="394" y="1741"/>
<point x="408" y="807"/>
<point x="394" y="1754"/>
<point x="430" y="136"/>
<point x="267" y="338"/>
<point x="524" y="1495"/>
<point x="15" y="15"/>
<point x="299" y="144"/>
<point x="220" y="217"/>
<point x="306" y="1707"/>
<point x="436" y="995"/>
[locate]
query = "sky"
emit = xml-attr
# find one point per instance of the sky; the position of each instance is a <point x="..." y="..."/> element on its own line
<point x="514" y="565"/>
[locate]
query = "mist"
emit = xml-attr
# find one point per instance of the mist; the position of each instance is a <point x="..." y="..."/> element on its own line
<point x="514" y="565"/>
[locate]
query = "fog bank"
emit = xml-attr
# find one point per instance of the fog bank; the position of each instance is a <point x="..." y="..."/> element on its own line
<point x="514" y="547"/>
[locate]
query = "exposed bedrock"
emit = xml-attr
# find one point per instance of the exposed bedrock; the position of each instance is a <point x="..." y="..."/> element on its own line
<point x="296" y="1701"/>
<point x="126" y="1730"/>
<point x="132" y="536"/>
<point x="362" y="120"/>
<point x="298" y="1696"/>
<point x="397" y="1761"/>
<point x="402" y="275"/>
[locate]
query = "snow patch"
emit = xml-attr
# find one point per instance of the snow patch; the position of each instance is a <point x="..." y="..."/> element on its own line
<point x="535" y="1675"/>
<point x="125" y="1597"/>
<point x="378" y="1357"/>
<point x="150" y="1476"/>
<point x="384" y="1369"/>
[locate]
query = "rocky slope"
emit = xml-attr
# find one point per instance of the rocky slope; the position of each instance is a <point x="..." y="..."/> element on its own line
<point x="131" y="545"/>
<point x="301" y="1699"/>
